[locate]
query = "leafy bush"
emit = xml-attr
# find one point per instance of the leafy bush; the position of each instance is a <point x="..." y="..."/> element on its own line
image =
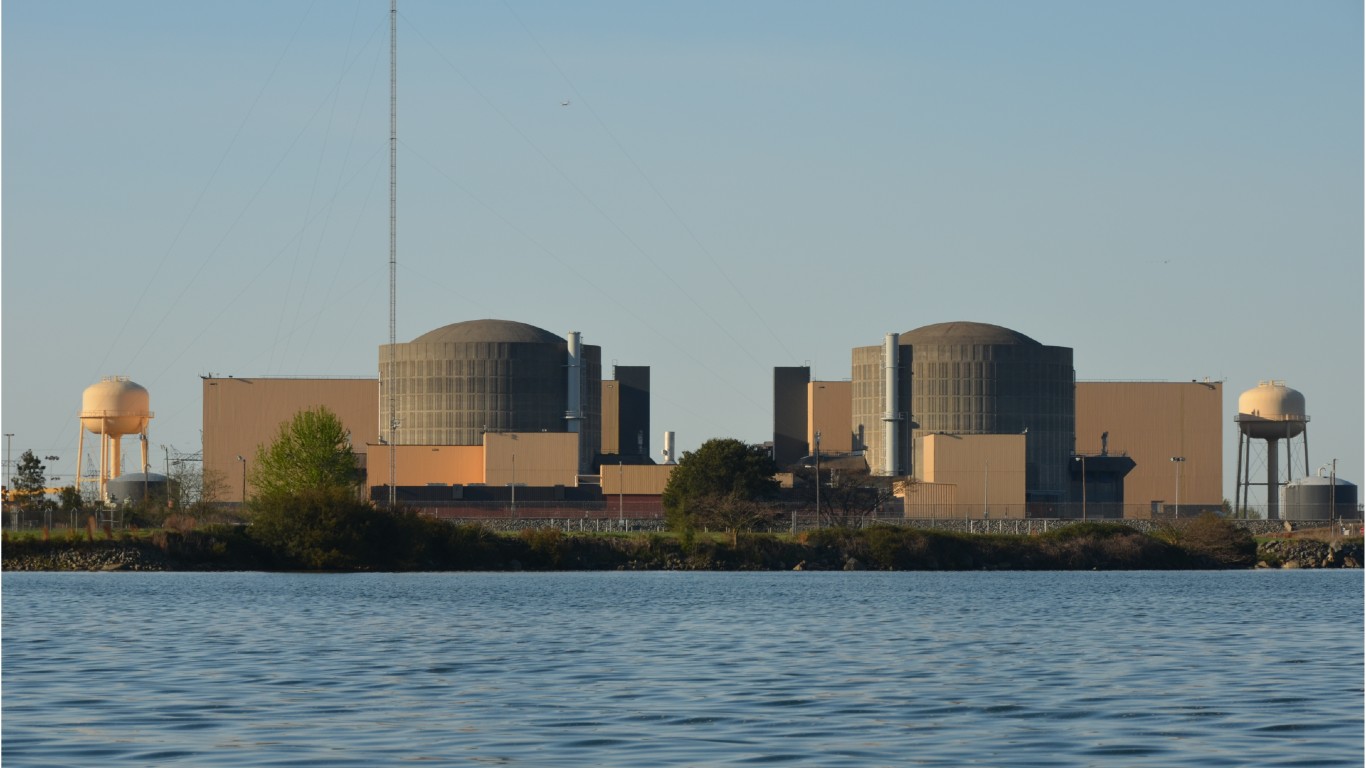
<point x="1090" y="530"/>
<point x="546" y="545"/>
<point x="1213" y="541"/>
<point x="327" y="529"/>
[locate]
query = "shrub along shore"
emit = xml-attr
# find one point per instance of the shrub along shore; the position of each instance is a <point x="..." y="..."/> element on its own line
<point x="389" y="543"/>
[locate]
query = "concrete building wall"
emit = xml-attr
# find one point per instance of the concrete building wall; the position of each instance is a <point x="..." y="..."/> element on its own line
<point x="1151" y="422"/>
<point x="988" y="470"/>
<point x="830" y="410"/>
<point x="626" y="411"/>
<point x="789" y="413"/>
<point x="455" y="383"/>
<point x="633" y="384"/>
<point x="241" y="415"/>
<point x="971" y="379"/>
<point x="868" y="404"/>
<point x="531" y="458"/>
<point x="426" y="464"/>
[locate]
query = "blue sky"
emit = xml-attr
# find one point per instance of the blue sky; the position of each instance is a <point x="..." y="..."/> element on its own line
<point x="1172" y="189"/>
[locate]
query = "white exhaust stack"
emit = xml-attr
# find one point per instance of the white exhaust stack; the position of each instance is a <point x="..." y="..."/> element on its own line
<point x="575" y="413"/>
<point x="668" y="451"/>
<point x="890" y="346"/>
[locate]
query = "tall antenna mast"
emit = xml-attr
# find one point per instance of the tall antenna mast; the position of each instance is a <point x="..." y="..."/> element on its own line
<point x="393" y="237"/>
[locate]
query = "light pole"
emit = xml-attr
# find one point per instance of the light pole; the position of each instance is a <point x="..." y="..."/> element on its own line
<point x="9" y="459"/>
<point x="1082" y="459"/>
<point x="244" y="477"/>
<point x="1177" y="461"/>
<point x="1333" y="494"/>
<point x="986" y="490"/>
<point x="818" y="478"/>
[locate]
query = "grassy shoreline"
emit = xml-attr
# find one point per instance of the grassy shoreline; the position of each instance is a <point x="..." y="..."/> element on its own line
<point x="423" y="546"/>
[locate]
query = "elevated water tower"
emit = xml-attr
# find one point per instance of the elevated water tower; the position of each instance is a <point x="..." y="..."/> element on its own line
<point x="1270" y="412"/>
<point x="111" y="409"/>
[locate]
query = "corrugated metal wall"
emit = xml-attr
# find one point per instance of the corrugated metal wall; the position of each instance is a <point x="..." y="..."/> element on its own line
<point x="531" y="458"/>
<point x="424" y="464"/>
<point x="641" y="480"/>
<point x="989" y="471"/>
<point x="830" y="409"/>
<point x="611" y="417"/>
<point x="931" y="500"/>
<point x="242" y="414"/>
<point x="1152" y="422"/>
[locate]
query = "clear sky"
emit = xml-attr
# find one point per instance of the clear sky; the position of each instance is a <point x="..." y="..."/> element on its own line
<point x="712" y="189"/>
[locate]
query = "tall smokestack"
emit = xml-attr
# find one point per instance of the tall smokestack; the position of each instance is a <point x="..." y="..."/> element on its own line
<point x="575" y="413"/>
<point x="890" y="346"/>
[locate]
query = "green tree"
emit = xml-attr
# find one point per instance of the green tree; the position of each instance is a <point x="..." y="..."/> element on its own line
<point x="30" y="484"/>
<point x="312" y="452"/>
<point x="720" y="469"/>
<point x="70" y="503"/>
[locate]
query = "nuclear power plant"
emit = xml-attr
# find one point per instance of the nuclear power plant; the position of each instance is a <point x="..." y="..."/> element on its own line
<point x="971" y="420"/>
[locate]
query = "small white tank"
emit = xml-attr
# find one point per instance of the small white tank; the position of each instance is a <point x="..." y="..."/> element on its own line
<point x="1271" y="411"/>
<point x="668" y="452"/>
<point x="115" y="406"/>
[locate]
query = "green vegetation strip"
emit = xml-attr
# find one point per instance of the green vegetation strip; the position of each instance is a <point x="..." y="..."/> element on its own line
<point x="325" y="532"/>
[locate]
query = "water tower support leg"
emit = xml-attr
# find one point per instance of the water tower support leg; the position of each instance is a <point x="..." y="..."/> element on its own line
<point x="1238" y="468"/>
<point x="1306" y="446"/>
<point x="80" y="457"/>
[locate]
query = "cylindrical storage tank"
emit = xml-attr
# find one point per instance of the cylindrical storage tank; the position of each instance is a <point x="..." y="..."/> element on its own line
<point x="133" y="487"/>
<point x="1316" y="498"/>
<point x="115" y="406"/>
<point x="1271" y="411"/>
<point x="574" y="415"/>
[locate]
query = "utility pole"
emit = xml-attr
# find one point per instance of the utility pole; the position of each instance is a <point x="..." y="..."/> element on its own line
<point x="393" y="240"/>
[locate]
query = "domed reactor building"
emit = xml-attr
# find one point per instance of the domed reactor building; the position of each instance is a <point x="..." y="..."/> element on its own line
<point x="965" y="378"/>
<point x="453" y="385"/>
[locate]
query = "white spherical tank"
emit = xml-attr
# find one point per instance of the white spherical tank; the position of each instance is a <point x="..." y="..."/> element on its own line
<point x="115" y="406"/>
<point x="1271" y="411"/>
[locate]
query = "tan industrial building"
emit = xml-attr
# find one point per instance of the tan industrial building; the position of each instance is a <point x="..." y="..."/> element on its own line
<point x="830" y="412"/>
<point x="241" y="415"/>
<point x="987" y="471"/>
<point x="1152" y="423"/>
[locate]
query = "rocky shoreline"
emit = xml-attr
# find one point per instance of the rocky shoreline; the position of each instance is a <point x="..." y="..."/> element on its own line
<point x="1309" y="553"/>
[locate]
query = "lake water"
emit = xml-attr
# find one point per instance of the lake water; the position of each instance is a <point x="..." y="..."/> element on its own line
<point x="670" y="669"/>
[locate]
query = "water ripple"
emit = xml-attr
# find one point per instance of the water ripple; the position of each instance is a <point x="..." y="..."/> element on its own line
<point x="859" y="669"/>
